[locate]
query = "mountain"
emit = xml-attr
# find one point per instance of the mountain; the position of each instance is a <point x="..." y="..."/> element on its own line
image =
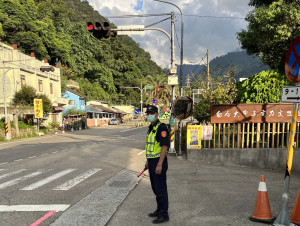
<point x="240" y="62"/>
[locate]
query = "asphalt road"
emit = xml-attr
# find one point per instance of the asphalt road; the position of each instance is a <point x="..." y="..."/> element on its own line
<point x="88" y="177"/>
<point x="40" y="178"/>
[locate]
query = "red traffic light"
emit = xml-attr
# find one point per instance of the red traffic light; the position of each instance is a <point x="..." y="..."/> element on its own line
<point x="158" y="87"/>
<point x="90" y="26"/>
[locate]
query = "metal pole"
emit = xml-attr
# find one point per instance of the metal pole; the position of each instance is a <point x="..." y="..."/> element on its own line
<point x="141" y="99"/>
<point x="181" y="47"/>
<point x="282" y="218"/>
<point x="8" y="134"/>
<point x="172" y="41"/>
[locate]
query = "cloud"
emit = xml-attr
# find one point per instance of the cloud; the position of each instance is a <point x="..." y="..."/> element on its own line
<point x="201" y="31"/>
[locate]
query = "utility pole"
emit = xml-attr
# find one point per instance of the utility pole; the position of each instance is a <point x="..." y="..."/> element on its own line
<point x="207" y="72"/>
<point x="141" y="99"/>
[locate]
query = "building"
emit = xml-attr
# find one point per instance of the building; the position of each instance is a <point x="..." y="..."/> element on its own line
<point x="18" y="69"/>
<point x="76" y="101"/>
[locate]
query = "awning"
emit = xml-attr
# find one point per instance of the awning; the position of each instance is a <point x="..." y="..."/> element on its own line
<point x="59" y="108"/>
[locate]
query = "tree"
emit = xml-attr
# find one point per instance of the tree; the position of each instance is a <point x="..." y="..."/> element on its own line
<point x="25" y="97"/>
<point x="213" y="91"/>
<point x="273" y="25"/>
<point x="264" y="87"/>
<point x="162" y="95"/>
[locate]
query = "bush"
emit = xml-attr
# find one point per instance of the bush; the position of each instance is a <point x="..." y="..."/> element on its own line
<point x="53" y="125"/>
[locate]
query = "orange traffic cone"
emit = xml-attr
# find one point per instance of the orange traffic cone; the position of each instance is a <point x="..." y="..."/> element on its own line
<point x="295" y="218"/>
<point x="262" y="211"/>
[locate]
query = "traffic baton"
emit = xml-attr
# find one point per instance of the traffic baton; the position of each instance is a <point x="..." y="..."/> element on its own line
<point x="142" y="172"/>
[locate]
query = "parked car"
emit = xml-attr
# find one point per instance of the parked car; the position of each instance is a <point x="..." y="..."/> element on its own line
<point x="114" y="121"/>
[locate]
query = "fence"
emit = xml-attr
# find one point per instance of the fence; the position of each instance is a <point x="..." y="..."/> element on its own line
<point x="250" y="135"/>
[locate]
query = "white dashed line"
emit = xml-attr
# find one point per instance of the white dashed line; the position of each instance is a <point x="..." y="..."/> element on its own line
<point x="3" y="163"/>
<point x="54" y="152"/>
<point x="18" y="160"/>
<point x="32" y="157"/>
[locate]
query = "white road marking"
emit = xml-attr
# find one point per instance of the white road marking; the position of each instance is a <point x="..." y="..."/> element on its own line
<point x="33" y="208"/>
<point x="18" y="160"/>
<point x="2" y="169"/>
<point x="47" y="180"/>
<point x="71" y="183"/>
<point x="12" y="173"/>
<point x="32" y="157"/>
<point x="141" y="152"/>
<point x="129" y="129"/>
<point x="3" y="163"/>
<point x="54" y="152"/>
<point x="20" y="179"/>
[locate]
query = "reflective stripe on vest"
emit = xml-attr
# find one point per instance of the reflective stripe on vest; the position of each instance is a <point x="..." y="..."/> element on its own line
<point x="152" y="147"/>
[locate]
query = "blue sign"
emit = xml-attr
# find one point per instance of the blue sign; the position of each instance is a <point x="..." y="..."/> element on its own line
<point x="136" y="112"/>
<point x="154" y="101"/>
<point x="292" y="62"/>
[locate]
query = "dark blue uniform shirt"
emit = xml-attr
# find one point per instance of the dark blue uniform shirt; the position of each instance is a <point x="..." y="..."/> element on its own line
<point x="160" y="135"/>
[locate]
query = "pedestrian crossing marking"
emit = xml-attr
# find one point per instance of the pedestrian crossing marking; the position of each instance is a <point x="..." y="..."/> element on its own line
<point x="12" y="173"/>
<point x="63" y="187"/>
<point x="33" y="208"/>
<point x="20" y="179"/>
<point x="47" y="180"/>
<point x="73" y="182"/>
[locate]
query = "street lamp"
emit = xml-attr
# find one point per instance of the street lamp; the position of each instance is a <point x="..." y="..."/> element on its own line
<point x="181" y="47"/>
<point x="141" y="89"/>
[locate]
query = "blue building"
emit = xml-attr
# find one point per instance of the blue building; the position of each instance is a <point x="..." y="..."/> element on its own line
<point x="76" y="100"/>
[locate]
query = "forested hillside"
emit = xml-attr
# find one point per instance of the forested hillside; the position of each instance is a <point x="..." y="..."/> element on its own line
<point x="240" y="62"/>
<point x="56" y="30"/>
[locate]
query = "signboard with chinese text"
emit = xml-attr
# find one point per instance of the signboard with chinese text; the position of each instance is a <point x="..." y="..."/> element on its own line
<point x="194" y="135"/>
<point x="290" y="94"/>
<point x="38" y="108"/>
<point x="207" y="132"/>
<point x="249" y="113"/>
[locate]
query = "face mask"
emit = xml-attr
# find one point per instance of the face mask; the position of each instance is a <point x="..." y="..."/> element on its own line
<point x="151" y="118"/>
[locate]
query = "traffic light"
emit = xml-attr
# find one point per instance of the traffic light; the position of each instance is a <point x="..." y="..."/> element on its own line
<point x="101" y="30"/>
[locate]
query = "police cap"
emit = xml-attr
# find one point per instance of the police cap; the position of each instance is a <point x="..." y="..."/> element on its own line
<point x="152" y="108"/>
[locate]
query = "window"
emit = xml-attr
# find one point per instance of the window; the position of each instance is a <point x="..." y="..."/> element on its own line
<point x="23" y="81"/>
<point x="41" y="85"/>
<point x="51" y="88"/>
<point x="72" y="102"/>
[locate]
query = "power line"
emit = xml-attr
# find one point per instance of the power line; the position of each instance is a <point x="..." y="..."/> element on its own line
<point x="176" y="36"/>
<point x="218" y="17"/>
<point x="150" y="25"/>
<point x="140" y="15"/>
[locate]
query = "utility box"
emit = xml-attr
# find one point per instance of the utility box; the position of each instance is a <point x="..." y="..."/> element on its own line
<point x="172" y="80"/>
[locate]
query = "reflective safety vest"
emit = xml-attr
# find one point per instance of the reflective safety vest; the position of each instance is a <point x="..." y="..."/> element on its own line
<point x="152" y="147"/>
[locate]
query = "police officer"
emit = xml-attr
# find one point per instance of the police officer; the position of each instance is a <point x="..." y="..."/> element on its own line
<point x="157" y="144"/>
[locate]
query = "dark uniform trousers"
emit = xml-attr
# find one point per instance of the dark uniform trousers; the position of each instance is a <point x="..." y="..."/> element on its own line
<point x="159" y="185"/>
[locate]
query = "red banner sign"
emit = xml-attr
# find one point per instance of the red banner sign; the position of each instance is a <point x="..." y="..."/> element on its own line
<point x="247" y="113"/>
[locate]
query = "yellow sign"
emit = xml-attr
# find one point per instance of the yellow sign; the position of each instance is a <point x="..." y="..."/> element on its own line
<point x="194" y="135"/>
<point x="38" y="108"/>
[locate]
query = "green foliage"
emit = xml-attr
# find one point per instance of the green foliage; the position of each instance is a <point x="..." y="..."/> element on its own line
<point x="213" y="91"/>
<point x="23" y="125"/>
<point x="54" y="125"/>
<point x="273" y="25"/>
<point x="56" y="30"/>
<point x="264" y="87"/>
<point x="24" y="96"/>
<point x="73" y="111"/>
<point x="162" y="95"/>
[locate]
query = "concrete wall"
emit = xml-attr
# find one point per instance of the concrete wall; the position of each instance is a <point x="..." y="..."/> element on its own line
<point x="96" y="122"/>
<point x="261" y="158"/>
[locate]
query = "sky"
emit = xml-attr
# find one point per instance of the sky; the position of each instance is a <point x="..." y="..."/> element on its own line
<point x="202" y="28"/>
